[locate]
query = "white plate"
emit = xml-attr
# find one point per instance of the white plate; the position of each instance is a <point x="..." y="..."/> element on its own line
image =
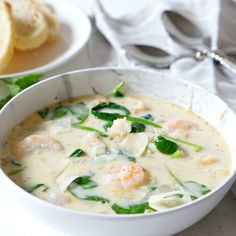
<point x="74" y="33"/>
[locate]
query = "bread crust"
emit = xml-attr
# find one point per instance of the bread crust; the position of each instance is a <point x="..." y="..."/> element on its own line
<point x="7" y="35"/>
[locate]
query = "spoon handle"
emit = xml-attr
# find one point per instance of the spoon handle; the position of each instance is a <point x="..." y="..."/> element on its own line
<point x="222" y="59"/>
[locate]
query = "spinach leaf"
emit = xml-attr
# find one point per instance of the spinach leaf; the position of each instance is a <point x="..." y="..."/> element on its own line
<point x="84" y="182"/>
<point x="44" y="113"/>
<point x="165" y="146"/>
<point x="132" y="159"/>
<point x="123" y="112"/>
<point x="81" y="111"/>
<point x="195" y="189"/>
<point x="77" y="153"/>
<point x="137" y="127"/>
<point x="197" y="148"/>
<point x="95" y="198"/>
<point x="143" y="121"/>
<point x="116" y="91"/>
<point x="132" y="209"/>
<point x="148" y="117"/>
<point x="36" y="186"/>
<point x="90" y="129"/>
<point x="61" y="111"/>
<point x="96" y="111"/>
<point x="107" y="125"/>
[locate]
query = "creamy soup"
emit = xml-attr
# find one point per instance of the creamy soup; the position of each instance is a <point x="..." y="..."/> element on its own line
<point x="116" y="154"/>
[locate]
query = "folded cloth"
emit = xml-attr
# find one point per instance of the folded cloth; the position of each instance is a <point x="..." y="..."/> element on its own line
<point x="130" y="22"/>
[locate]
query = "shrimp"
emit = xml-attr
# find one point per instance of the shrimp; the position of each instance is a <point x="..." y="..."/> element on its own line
<point x="181" y="124"/>
<point x="207" y="160"/>
<point x="128" y="176"/>
<point x="35" y="142"/>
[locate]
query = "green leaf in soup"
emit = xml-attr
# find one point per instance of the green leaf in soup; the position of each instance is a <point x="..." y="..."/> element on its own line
<point x="132" y="159"/>
<point x="196" y="147"/>
<point x="84" y="182"/>
<point x="120" y="111"/>
<point x="107" y="125"/>
<point x="116" y="92"/>
<point x="77" y="153"/>
<point x="132" y="209"/>
<point x="80" y="111"/>
<point x="61" y="111"/>
<point x="148" y="117"/>
<point x="36" y="186"/>
<point x="165" y="146"/>
<point x="95" y="198"/>
<point x="195" y="189"/>
<point x="90" y="129"/>
<point x="43" y="113"/>
<point x="142" y="121"/>
<point x="137" y="127"/>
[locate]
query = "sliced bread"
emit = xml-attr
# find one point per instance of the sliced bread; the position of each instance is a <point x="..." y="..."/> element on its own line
<point x="31" y="25"/>
<point x="51" y="18"/>
<point x="7" y="35"/>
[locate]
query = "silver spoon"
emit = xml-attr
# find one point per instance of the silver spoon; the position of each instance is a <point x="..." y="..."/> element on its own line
<point x="189" y="36"/>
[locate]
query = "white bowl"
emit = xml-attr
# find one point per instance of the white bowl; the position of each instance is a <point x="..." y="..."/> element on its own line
<point x="85" y="82"/>
<point x="75" y="29"/>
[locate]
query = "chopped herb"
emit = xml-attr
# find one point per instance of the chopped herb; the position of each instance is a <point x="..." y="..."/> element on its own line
<point x="148" y="117"/>
<point x="152" y="188"/>
<point x="5" y="100"/>
<point x="81" y="112"/>
<point x="16" y="171"/>
<point x="132" y="159"/>
<point x="17" y="84"/>
<point x="77" y="153"/>
<point x="107" y="125"/>
<point x="95" y="198"/>
<point x="195" y="189"/>
<point x="116" y="91"/>
<point x="36" y="186"/>
<point x="176" y="154"/>
<point x="133" y="209"/>
<point x="197" y="148"/>
<point x="143" y="121"/>
<point x="84" y="182"/>
<point x="96" y="111"/>
<point x="137" y="127"/>
<point x="44" y="113"/>
<point x="90" y="129"/>
<point x="165" y="146"/>
<point x="61" y="111"/>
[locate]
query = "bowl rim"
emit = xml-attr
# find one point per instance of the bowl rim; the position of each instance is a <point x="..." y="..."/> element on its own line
<point x="66" y="56"/>
<point x="62" y="209"/>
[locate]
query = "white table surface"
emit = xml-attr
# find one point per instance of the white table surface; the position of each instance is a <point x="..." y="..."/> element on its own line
<point x="14" y="220"/>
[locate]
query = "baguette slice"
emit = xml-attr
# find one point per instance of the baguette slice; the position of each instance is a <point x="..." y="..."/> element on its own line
<point x="51" y="18"/>
<point x="31" y="26"/>
<point x="7" y="35"/>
